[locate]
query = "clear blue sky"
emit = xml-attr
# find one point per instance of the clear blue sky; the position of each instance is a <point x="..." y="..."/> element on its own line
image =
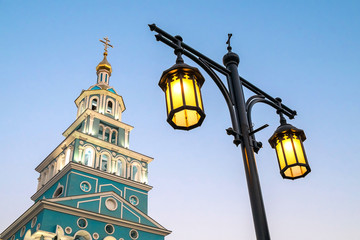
<point x="306" y="52"/>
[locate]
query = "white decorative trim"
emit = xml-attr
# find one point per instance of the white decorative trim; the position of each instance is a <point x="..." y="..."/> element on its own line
<point x="22" y="231"/>
<point x="57" y="188"/>
<point x="33" y="222"/>
<point x="67" y="179"/>
<point x="92" y="171"/>
<point x="127" y="188"/>
<point x="133" y="213"/>
<point x="91" y="200"/>
<point x="109" y="184"/>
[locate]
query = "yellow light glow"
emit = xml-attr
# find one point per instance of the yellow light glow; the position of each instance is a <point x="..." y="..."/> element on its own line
<point x="183" y="97"/>
<point x="290" y="153"/>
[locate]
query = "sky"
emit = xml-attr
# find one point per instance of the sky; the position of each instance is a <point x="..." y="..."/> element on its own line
<point x="306" y="52"/>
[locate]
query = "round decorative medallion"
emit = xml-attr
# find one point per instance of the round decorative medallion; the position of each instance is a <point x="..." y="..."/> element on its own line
<point x="95" y="236"/>
<point x="98" y="148"/>
<point x="134" y="200"/>
<point x="68" y="230"/>
<point x="81" y="142"/>
<point x="85" y="186"/>
<point x="113" y="154"/>
<point x="111" y="204"/>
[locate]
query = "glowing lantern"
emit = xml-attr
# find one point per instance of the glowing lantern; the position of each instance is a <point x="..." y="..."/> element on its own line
<point x="181" y="84"/>
<point x="288" y="143"/>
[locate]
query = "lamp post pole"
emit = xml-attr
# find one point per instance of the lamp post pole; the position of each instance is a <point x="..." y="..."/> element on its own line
<point x="240" y="114"/>
<point x="231" y="61"/>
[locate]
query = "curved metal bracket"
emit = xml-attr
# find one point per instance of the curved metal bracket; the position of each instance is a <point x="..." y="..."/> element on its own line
<point x="249" y="105"/>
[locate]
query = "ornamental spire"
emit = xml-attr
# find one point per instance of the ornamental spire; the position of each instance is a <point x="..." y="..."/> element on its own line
<point x="103" y="69"/>
<point x="106" y="44"/>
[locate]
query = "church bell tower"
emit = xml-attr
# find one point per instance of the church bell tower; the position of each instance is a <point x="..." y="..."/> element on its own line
<point x="92" y="186"/>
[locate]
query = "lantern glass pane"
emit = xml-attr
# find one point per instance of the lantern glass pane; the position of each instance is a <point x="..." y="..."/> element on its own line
<point x="186" y="118"/>
<point x="198" y="95"/>
<point x="299" y="149"/>
<point x="176" y="94"/>
<point x="280" y="155"/>
<point x="189" y="91"/>
<point x="168" y="103"/>
<point x="289" y="150"/>
<point x="295" y="171"/>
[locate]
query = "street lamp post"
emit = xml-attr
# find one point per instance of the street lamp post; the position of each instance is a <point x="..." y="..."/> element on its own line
<point x="185" y="111"/>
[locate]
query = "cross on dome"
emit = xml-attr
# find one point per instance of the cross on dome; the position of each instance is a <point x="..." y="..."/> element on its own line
<point x="106" y="44"/>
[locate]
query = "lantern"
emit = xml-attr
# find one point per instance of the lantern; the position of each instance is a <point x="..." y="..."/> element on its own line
<point x="288" y="143"/>
<point x="181" y="84"/>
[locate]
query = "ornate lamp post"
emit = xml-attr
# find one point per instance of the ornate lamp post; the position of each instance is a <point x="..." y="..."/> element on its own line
<point x="181" y="84"/>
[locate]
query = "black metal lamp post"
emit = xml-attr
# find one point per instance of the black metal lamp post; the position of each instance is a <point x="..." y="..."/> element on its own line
<point x="181" y="84"/>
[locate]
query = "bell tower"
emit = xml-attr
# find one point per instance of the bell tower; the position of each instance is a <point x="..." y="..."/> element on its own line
<point x="92" y="185"/>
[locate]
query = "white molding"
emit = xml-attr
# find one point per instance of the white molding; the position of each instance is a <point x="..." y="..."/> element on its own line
<point x="89" y="170"/>
<point x="78" y="135"/>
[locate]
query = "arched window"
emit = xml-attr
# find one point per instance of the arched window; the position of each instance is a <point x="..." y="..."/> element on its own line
<point x="104" y="162"/>
<point x="94" y="104"/>
<point x="107" y="135"/>
<point x="109" y="107"/>
<point x="100" y="134"/>
<point x="89" y="156"/>
<point x="135" y="173"/>
<point x="119" y="167"/>
<point x="113" y="137"/>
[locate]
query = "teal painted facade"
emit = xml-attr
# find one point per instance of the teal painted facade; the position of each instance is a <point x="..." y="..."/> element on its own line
<point x="92" y="186"/>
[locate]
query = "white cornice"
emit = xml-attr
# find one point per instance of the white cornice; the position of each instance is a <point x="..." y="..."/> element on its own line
<point x="112" y="147"/>
<point x="100" y="116"/>
<point x="43" y="204"/>
<point x="86" y="93"/>
<point x="94" y="140"/>
<point x="89" y="170"/>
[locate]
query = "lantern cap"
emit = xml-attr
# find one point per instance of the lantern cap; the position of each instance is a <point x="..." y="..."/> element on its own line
<point x="182" y="67"/>
<point x="286" y="128"/>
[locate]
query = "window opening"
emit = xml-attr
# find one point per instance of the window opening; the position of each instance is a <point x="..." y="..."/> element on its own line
<point x="100" y="135"/>
<point x="135" y="173"/>
<point x="119" y="168"/>
<point x="104" y="162"/>
<point x="94" y="104"/>
<point x="88" y="157"/>
<point x="107" y="135"/>
<point x="109" y="107"/>
<point x="113" y="137"/>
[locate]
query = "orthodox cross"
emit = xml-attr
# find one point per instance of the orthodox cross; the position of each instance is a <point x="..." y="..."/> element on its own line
<point x="106" y="43"/>
<point x="228" y="42"/>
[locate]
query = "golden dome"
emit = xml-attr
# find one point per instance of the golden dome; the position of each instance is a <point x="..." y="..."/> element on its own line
<point x="104" y="64"/>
